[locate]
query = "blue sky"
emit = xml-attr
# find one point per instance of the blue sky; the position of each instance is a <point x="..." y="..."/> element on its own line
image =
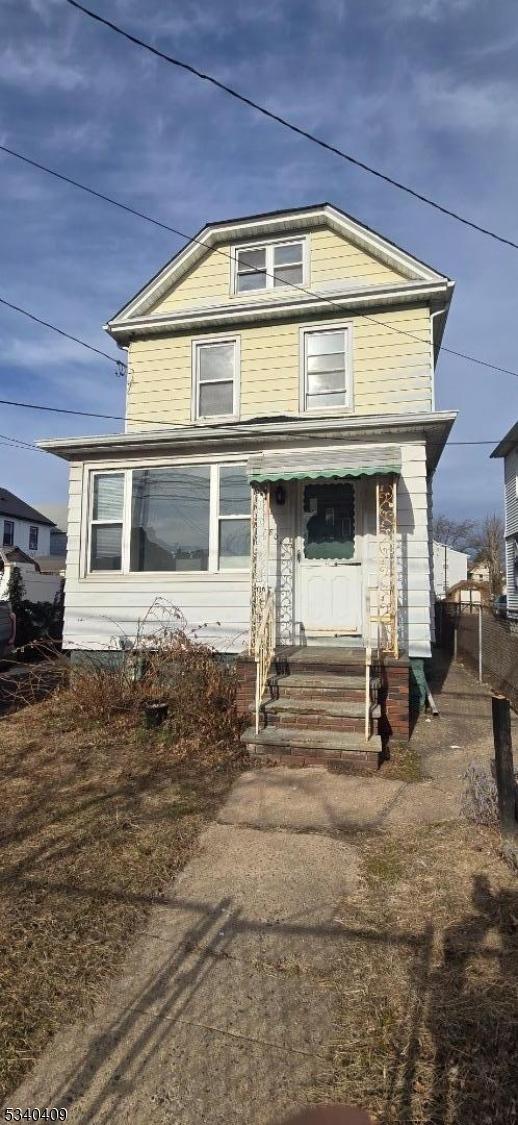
<point x="424" y="89"/>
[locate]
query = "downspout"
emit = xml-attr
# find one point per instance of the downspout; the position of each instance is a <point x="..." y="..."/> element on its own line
<point x="438" y="312"/>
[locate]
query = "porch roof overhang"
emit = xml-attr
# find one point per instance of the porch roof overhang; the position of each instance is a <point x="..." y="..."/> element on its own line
<point x="255" y="435"/>
<point x="353" y="461"/>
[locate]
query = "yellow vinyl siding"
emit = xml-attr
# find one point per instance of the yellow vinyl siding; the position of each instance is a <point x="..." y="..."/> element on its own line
<point x="334" y="263"/>
<point x="391" y="371"/>
<point x="333" y="259"/>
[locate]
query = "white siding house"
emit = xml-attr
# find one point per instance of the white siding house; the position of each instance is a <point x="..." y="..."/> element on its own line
<point x="449" y="567"/>
<point x="508" y="450"/>
<point x="23" y="526"/>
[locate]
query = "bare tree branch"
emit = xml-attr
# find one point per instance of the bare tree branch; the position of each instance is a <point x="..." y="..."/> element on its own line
<point x="458" y="534"/>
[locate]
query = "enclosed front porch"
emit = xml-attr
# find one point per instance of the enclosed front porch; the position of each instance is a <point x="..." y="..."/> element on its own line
<point x="324" y="608"/>
<point x="324" y="548"/>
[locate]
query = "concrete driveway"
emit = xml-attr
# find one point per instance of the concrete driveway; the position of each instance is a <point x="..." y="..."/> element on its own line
<point x="222" y="1013"/>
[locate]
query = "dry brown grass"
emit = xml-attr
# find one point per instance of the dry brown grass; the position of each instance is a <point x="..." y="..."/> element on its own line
<point x="427" y="982"/>
<point x="96" y="816"/>
<point x="404" y="763"/>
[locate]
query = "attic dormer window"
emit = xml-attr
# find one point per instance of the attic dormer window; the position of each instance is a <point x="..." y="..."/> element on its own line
<point x="276" y="265"/>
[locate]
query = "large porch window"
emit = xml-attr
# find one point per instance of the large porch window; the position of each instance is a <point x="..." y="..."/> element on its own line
<point x="170" y="518"/>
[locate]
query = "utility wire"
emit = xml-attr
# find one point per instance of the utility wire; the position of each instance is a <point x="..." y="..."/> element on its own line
<point x="217" y="250"/>
<point x="60" y="331"/>
<point x="290" y="125"/>
<point x="170" y="425"/>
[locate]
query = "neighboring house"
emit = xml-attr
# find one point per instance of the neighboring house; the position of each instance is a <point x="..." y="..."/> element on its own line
<point x="55" y="562"/>
<point x="508" y="450"/>
<point x="479" y="571"/>
<point x="58" y="542"/>
<point x="469" y="592"/>
<point x="449" y="567"/>
<point x="38" y="587"/>
<point x="22" y="526"/>
<point x="281" y="439"/>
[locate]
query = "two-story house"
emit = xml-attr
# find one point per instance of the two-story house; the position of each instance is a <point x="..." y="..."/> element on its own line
<point x="23" y="526"/>
<point x="274" y="477"/>
<point x="508" y="450"/>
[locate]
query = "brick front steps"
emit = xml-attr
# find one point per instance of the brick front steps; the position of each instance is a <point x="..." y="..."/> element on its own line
<point x="315" y="711"/>
<point x="338" y="750"/>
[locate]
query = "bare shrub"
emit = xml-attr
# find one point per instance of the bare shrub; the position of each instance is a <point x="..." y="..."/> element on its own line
<point x="479" y="799"/>
<point x="509" y="852"/>
<point x="164" y="666"/>
<point x="161" y="664"/>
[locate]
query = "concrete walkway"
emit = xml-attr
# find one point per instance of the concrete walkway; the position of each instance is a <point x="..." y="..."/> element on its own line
<point x="222" y="1013"/>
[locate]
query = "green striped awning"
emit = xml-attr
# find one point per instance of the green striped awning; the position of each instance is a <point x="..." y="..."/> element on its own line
<point x="355" y="461"/>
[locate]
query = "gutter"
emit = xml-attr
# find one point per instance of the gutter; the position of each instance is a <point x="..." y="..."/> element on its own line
<point x="328" y="303"/>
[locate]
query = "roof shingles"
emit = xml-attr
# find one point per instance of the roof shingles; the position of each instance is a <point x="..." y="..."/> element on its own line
<point x="14" y="508"/>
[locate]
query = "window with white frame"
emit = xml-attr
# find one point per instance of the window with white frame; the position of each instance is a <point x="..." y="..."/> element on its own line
<point x="325" y="369"/>
<point x="233" y="518"/>
<point x="177" y="518"/>
<point x="33" y="538"/>
<point x="215" y="378"/>
<point x="8" y="538"/>
<point x="107" y="509"/>
<point x="269" y="267"/>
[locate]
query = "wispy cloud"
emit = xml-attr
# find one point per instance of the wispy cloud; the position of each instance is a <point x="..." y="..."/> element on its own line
<point x="432" y="11"/>
<point x="476" y="106"/>
<point x="37" y="68"/>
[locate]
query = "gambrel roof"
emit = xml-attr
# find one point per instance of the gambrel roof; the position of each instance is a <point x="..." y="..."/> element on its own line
<point x="415" y="276"/>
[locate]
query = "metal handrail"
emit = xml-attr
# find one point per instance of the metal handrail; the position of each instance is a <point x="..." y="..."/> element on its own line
<point x="263" y="650"/>
<point x="368" y="662"/>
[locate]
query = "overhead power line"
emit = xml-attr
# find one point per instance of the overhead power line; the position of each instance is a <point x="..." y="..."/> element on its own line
<point x="205" y="77"/>
<point x="161" y="422"/>
<point x="328" y="301"/>
<point x="61" y="332"/>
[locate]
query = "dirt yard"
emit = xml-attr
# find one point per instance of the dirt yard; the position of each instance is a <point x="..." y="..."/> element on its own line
<point x="95" y="818"/>
<point x="425" y="981"/>
<point x="331" y="937"/>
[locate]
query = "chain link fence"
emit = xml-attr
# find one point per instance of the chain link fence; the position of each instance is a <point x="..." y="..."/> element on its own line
<point x="485" y="643"/>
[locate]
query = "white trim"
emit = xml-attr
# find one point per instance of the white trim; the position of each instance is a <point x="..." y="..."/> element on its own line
<point x="284" y="308"/>
<point x="120" y="471"/>
<point x="287" y="222"/>
<point x="126" y="522"/>
<point x="211" y="341"/>
<point x="250" y="437"/>
<point x="214" y="519"/>
<point x="438" y="312"/>
<point x="90" y="472"/>
<point x="358" y="560"/>
<point x="327" y="326"/>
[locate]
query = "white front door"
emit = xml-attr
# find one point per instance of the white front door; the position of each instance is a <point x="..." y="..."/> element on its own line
<point x="328" y="570"/>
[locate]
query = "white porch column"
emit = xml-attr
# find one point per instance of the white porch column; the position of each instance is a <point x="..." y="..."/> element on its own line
<point x="260" y="545"/>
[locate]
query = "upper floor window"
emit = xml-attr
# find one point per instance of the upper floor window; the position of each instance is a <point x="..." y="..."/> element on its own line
<point x="215" y="378"/>
<point x="33" y="538"/>
<point x="8" y="540"/>
<point x="326" y="375"/>
<point x="268" y="267"/>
